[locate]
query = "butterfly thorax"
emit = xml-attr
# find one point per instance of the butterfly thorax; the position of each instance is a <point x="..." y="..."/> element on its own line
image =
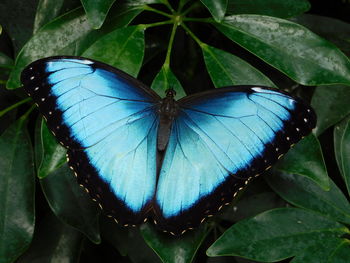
<point x="168" y="110"/>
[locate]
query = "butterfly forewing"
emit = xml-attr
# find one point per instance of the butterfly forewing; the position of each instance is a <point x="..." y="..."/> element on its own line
<point x="108" y="122"/>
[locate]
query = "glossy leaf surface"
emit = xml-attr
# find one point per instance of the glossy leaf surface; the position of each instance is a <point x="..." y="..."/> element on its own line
<point x="217" y="8"/>
<point x="323" y="252"/>
<point x="96" y="11"/>
<point x="53" y="155"/>
<point x="122" y="48"/>
<point x="59" y="37"/>
<point x="226" y="69"/>
<point x="70" y="203"/>
<point x="275" y="235"/>
<point x="342" y="149"/>
<point x="331" y="104"/>
<point x="17" y="189"/>
<point x="330" y="28"/>
<point x="46" y="11"/>
<point x="277" y="8"/>
<point x="174" y="249"/>
<point x="302" y="192"/>
<point x="306" y="159"/>
<point x="166" y="79"/>
<point x="282" y="43"/>
<point x="53" y="242"/>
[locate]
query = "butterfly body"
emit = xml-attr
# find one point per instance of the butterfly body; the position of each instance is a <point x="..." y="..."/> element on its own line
<point x="176" y="162"/>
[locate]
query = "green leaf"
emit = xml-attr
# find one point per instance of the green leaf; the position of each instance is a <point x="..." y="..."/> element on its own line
<point x="330" y="28"/>
<point x="341" y="255"/>
<point x="53" y="155"/>
<point x="342" y="149"/>
<point x="226" y="69"/>
<point x="306" y="159"/>
<point x="96" y="11"/>
<point x="252" y="205"/>
<point x="17" y="190"/>
<point x="70" y="203"/>
<point x="53" y="242"/>
<point x="5" y="61"/>
<point x="166" y="79"/>
<point x="322" y="252"/>
<point x="135" y="242"/>
<point x="302" y="192"/>
<point x="69" y="34"/>
<point x="294" y="50"/>
<point x="115" y="234"/>
<point x="17" y="20"/>
<point x="56" y="38"/>
<point x="46" y="11"/>
<point x="277" y="8"/>
<point x="331" y="104"/>
<point x="174" y="249"/>
<point x="275" y="235"/>
<point x="217" y="8"/>
<point x="122" y="48"/>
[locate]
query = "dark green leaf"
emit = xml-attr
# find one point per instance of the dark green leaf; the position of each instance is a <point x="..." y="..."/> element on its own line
<point x="226" y="69"/>
<point x="115" y="234"/>
<point x="252" y="205"/>
<point x="5" y="61"/>
<point x="53" y="242"/>
<point x="17" y="189"/>
<point x="302" y="192"/>
<point x="56" y="38"/>
<point x="331" y="29"/>
<point x="70" y="203"/>
<point x="17" y="19"/>
<point x="69" y="34"/>
<point x="306" y="159"/>
<point x="275" y="235"/>
<point x="122" y="48"/>
<point x="144" y="253"/>
<point x="46" y="11"/>
<point x="96" y="11"/>
<point x="166" y="79"/>
<point x="217" y="8"/>
<point x="322" y="252"/>
<point x="294" y="50"/>
<point x="341" y="254"/>
<point x="342" y="149"/>
<point x="277" y="8"/>
<point x="53" y="155"/>
<point x="174" y="249"/>
<point x="331" y="104"/>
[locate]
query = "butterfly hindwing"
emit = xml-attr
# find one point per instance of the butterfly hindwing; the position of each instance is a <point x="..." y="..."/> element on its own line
<point x="219" y="141"/>
<point x="109" y="124"/>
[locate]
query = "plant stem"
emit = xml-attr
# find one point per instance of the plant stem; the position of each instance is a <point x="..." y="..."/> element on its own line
<point x="3" y="112"/>
<point x="154" y="10"/>
<point x="157" y="24"/>
<point x="165" y="2"/>
<point x="168" y="53"/>
<point x="25" y="115"/>
<point x="195" y="38"/>
<point x="203" y="20"/>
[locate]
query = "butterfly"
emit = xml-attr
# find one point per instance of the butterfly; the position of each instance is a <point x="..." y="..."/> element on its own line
<point x="141" y="156"/>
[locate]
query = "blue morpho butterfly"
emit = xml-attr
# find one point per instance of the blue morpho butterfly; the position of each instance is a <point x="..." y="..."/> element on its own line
<point x="141" y="156"/>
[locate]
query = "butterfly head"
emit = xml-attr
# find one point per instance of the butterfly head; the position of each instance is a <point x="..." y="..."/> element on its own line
<point x="168" y="107"/>
<point x="170" y="93"/>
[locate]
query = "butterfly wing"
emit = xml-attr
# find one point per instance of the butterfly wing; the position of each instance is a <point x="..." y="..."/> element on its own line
<point x="108" y="122"/>
<point x="219" y="141"/>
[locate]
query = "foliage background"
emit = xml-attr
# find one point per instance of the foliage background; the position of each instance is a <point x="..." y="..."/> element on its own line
<point x="297" y="212"/>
